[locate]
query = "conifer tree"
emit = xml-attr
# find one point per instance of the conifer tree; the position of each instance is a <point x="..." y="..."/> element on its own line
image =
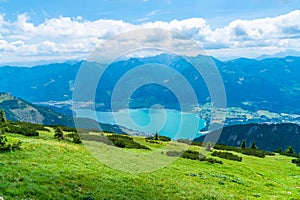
<point x="253" y="145"/>
<point x="2" y="116"/>
<point x="290" y="150"/>
<point x="243" y="144"/>
<point x="156" y="136"/>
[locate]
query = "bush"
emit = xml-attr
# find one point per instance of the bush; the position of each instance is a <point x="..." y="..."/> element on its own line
<point x="246" y="151"/>
<point x="192" y="155"/>
<point x="21" y="128"/>
<point x="74" y="137"/>
<point x="227" y="155"/>
<point x="59" y="133"/>
<point x="159" y="137"/>
<point x="8" y="144"/>
<point x="123" y="141"/>
<point x="296" y="161"/>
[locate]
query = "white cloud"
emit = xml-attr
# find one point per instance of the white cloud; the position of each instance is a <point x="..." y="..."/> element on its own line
<point x="67" y="37"/>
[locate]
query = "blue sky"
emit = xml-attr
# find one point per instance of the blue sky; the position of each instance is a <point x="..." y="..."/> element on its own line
<point x="64" y="29"/>
<point x="216" y="12"/>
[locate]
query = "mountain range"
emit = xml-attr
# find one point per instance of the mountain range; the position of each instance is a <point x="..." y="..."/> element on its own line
<point x="270" y="84"/>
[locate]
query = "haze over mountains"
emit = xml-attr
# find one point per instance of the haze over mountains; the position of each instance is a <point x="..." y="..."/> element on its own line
<point x="271" y="84"/>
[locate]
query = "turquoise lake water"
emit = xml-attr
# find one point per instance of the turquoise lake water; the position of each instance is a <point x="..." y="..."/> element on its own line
<point x="171" y="123"/>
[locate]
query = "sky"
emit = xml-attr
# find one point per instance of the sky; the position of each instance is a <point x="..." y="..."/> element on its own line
<point x="35" y="30"/>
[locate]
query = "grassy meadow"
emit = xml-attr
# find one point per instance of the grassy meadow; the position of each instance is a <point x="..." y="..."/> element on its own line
<point x="48" y="168"/>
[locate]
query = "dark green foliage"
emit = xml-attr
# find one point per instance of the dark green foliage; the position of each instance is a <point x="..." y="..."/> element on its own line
<point x="296" y="161"/>
<point x="290" y="150"/>
<point x="212" y="161"/>
<point x="253" y="146"/>
<point x="156" y="136"/>
<point x="227" y="155"/>
<point x="74" y="136"/>
<point x="36" y="127"/>
<point x="26" y="129"/>
<point x="2" y="116"/>
<point x="89" y="197"/>
<point x="76" y="139"/>
<point x="243" y="144"/>
<point x="164" y="138"/>
<point x="124" y="141"/>
<point x="59" y="133"/>
<point x="159" y="137"/>
<point x="247" y="151"/>
<point x="3" y="141"/>
<point x="68" y="129"/>
<point x="192" y="155"/>
<point x="6" y="145"/>
<point x="280" y="150"/>
<point x="268" y="137"/>
<point x="153" y="141"/>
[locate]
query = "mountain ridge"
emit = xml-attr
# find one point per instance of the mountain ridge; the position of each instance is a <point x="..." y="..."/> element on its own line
<point x="270" y="84"/>
<point x="17" y="109"/>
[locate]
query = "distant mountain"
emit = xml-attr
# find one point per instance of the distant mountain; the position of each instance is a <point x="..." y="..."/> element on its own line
<point x="266" y="136"/>
<point x="17" y="109"/>
<point x="281" y="54"/>
<point x="270" y="84"/>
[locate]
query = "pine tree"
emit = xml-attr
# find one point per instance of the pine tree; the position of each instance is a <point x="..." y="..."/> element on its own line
<point x="243" y="144"/>
<point x="290" y="150"/>
<point x="59" y="133"/>
<point x="253" y="145"/>
<point x="156" y="136"/>
<point x="2" y="116"/>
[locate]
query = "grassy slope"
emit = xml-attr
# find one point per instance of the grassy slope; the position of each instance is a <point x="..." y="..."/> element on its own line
<point x="46" y="168"/>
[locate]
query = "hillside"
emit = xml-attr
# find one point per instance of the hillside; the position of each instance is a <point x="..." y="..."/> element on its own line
<point x="48" y="168"/>
<point x="17" y="109"/>
<point x="266" y="136"/>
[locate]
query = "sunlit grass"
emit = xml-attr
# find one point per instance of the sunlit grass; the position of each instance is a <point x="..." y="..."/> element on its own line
<point x="46" y="168"/>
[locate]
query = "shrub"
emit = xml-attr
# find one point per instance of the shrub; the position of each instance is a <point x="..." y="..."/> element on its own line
<point x="159" y="137"/>
<point x="296" y="161"/>
<point x="74" y="137"/>
<point x="227" y="155"/>
<point x="192" y="155"/>
<point x="59" y="133"/>
<point x="121" y="140"/>
<point x="290" y="150"/>
<point x="247" y="151"/>
<point x="8" y="144"/>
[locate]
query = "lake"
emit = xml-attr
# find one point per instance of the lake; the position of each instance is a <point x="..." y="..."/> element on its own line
<point x="167" y="122"/>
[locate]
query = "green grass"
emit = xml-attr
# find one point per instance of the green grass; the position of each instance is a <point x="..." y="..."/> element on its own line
<point x="46" y="168"/>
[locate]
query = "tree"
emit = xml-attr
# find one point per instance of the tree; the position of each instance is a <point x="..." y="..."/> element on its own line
<point x="156" y="136"/>
<point x="280" y="150"/>
<point x="253" y="146"/>
<point x="290" y="150"/>
<point x="59" y="133"/>
<point x="2" y="116"/>
<point x="243" y="144"/>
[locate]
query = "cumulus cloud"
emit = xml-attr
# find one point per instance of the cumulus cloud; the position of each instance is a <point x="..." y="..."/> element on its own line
<point x="69" y="38"/>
